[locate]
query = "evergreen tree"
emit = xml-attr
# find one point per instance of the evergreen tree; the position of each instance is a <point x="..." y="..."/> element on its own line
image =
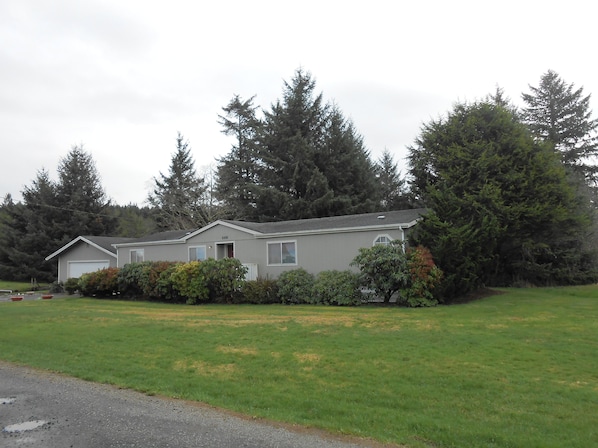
<point x="30" y="233"/>
<point x="79" y="190"/>
<point x="178" y="196"/>
<point x="348" y="169"/>
<point x="303" y="160"/>
<point x="51" y="215"/>
<point x="6" y="241"/>
<point x="501" y="209"/>
<point x="134" y="221"/>
<point x="238" y="171"/>
<point x="558" y="113"/>
<point x="392" y="187"/>
<point x="290" y="182"/>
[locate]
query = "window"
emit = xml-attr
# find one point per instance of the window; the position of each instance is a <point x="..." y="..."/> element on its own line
<point x="136" y="255"/>
<point x="284" y="252"/>
<point x="197" y="253"/>
<point x="382" y="240"/>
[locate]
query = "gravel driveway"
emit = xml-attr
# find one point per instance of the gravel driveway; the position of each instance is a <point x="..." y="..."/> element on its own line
<point x="40" y="409"/>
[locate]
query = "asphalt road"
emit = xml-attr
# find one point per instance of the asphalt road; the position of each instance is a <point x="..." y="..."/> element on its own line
<point x="40" y="409"/>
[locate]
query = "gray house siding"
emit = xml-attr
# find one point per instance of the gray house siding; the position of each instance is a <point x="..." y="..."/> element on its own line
<point x="313" y="244"/>
<point x="315" y="252"/>
<point x="82" y="257"/>
<point x="162" y="252"/>
<point x="214" y="239"/>
<point x="324" y="252"/>
<point x="83" y="253"/>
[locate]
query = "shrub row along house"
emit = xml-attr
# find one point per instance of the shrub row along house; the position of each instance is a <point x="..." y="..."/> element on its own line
<point x="266" y="249"/>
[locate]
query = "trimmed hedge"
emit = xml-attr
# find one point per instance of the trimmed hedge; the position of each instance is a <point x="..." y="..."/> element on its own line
<point x="148" y="280"/>
<point x="102" y="283"/>
<point x="259" y="292"/>
<point x="387" y="270"/>
<point x="296" y="287"/>
<point x="210" y="280"/>
<point x="337" y="288"/>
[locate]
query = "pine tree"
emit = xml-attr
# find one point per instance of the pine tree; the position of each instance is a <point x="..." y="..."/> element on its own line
<point x="293" y="134"/>
<point x="347" y="166"/>
<point x="31" y="231"/>
<point x="302" y="160"/>
<point x="178" y="196"/>
<point x="558" y="113"/>
<point x="392" y="187"/>
<point x="53" y="214"/>
<point x="310" y="160"/>
<point x="501" y="208"/>
<point x="237" y="172"/>
<point x="79" y="190"/>
<point x="134" y="221"/>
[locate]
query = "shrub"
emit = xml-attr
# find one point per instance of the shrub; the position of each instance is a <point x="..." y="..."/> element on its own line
<point x="389" y="270"/>
<point x="295" y="287"/>
<point x="56" y="287"/>
<point x="71" y="286"/>
<point x="154" y="280"/>
<point x="224" y="277"/>
<point x="337" y="288"/>
<point x="209" y="280"/>
<point x="102" y="283"/>
<point x="130" y="279"/>
<point x="189" y="282"/>
<point x="260" y="291"/>
<point x="424" y="276"/>
<point x="383" y="269"/>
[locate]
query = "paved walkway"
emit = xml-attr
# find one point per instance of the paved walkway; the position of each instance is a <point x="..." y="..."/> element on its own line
<point x="40" y="409"/>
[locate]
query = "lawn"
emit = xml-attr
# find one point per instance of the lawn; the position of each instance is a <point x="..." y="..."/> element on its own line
<point x="22" y="286"/>
<point x="519" y="369"/>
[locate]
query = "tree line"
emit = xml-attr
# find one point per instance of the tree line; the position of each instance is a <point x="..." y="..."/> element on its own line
<point x="511" y="192"/>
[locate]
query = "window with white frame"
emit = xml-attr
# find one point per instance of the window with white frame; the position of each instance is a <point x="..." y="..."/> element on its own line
<point x="136" y="255"/>
<point x="197" y="253"/>
<point x="382" y="240"/>
<point x="283" y="252"/>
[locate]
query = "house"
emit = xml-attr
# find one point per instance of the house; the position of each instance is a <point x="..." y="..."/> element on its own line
<point x="266" y="249"/>
<point x="86" y="254"/>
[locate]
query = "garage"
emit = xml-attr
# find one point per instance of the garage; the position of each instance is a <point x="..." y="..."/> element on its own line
<point x="77" y="268"/>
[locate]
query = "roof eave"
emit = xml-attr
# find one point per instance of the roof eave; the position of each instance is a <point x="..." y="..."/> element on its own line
<point x="75" y="241"/>
<point x="393" y="226"/>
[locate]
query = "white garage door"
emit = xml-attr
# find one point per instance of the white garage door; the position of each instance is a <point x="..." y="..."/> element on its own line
<point x="77" y="268"/>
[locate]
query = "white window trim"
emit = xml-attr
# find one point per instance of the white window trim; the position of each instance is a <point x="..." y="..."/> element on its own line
<point x="205" y="249"/>
<point x="281" y="243"/>
<point x="390" y="239"/>
<point x="142" y="251"/>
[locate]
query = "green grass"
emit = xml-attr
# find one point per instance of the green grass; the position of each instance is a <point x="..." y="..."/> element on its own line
<point x="20" y="286"/>
<point x="518" y="369"/>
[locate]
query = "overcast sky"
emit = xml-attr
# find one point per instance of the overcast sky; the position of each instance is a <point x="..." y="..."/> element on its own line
<point x="122" y="77"/>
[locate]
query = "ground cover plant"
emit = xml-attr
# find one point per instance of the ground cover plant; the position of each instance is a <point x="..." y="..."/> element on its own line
<point x="519" y="369"/>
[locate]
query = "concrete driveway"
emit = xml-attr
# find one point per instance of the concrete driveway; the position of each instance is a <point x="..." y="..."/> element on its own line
<point x="40" y="409"/>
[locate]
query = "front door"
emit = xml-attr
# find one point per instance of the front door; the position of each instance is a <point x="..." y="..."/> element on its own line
<point x="225" y="250"/>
